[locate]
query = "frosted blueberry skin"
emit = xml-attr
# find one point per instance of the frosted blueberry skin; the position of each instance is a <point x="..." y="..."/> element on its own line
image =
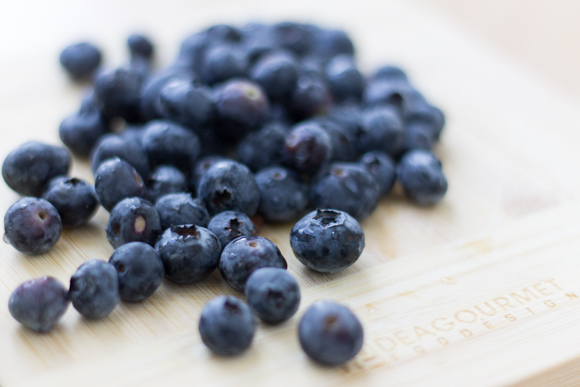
<point x="330" y="333"/>
<point x="32" y="226"/>
<point x="283" y="196"/>
<point x="262" y="148"/>
<point x="382" y="168"/>
<point x="229" y="225"/>
<point x="227" y="326"/>
<point x="180" y="208"/>
<point x="29" y="167"/>
<point x="346" y="187"/>
<point x="199" y="169"/>
<point x="133" y="220"/>
<point x="420" y="174"/>
<point x="118" y="93"/>
<point x="344" y="79"/>
<point x="116" y="180"/>
<point x="222" y="62"/>
<point x="163" y="180"/>
<point x="229" y="185"/>
<point x="273" y="294"/>
<point x="38" y="304"/>
<point x="242" y="256"/>
<point x="80" y="60"/>
<point x="80" y="132"/>
<point x="381" y="128"/>
<point x="112" y="145"/>
<point x="189" y="253"/>
<point x="74" y="199"/>
<point x="277" y="73"/>
<point x="94" y="289"/>
<point x="327" y="240"/>
<point x="188" y="103"/>
<point x="139" y="269"/>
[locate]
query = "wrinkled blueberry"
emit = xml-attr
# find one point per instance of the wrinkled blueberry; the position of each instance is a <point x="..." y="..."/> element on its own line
<point x="38" y="304"/>
<point x="116" y="180"/>
<point x="94" y="289"/>
<point x="74" y="199"/>
<point x="133" y="220"/>
<point x="421" y="177"/>
<point x="229" y="225"/>
<point x="139" y="269"/>
<point x="32" y="225"/>
<point x="80" y="60"/>
<point x="242" y="256"/>
<point x="180" y="208"/>
<point x="273" y="294"/>
<point x="283" y="196"/>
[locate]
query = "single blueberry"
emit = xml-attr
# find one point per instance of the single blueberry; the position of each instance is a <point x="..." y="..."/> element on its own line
<point x="94" y="289"/>
<point x="307" y="147"/>
<point x="311" y="97"/>
<point x="180" y="208"/>
<point x="199" y="169"/>
<point x="118" y="93"/>
<point x="420" y="174"/>
<point x="80" y="132"/>
<point x="74" y="199"/>
<point x="163" y="180"/>
<point x="80" y="60"/>
<point x="169" y="143"/>
<point x="283" y="196"/>
<point x="150" y="103"/>
<point x="292" y="36"/>
<point x="382" y="168"/>
<point x="262" y="148"/>
<point x="229" y="225"/>
<point x="344" y="79"/>
<point x="330" y="43"/>
<point x="381" y="128"/>
<point x="391" y="74"/>
<point x="112" y="145"/>
<point x="116" y="180"/>
<point x="222" y="62"/>
<point x="133" y="220"/>
<point x="32" y="225"/>
<point x="140" y="46"/>
<point x="277" y="73"/>
<point x="188" y="103"/>
<point x="343" y="137"/>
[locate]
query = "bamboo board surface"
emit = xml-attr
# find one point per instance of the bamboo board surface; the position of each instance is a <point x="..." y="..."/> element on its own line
<point x="481" y="290"/>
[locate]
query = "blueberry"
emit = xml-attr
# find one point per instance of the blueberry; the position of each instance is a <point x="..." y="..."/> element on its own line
<point x="391" y="74"/>
<point x="262" y="148"/>
<point x="111" y="146"/>
<point x="116" y="180"/>
<point x="417" y="135"/>
<point x="344" y="79"/>
<point x="133" y="134"/>
<point x="118" y="93"/>
<point x="32" y="225"/>
<point x="307" y="147"/>
<point x="241" y="107"/>
<point x="180" y="208"/>
<point x="419" y="173"/>
<point x="189" y="253"/>
<point x="242" y="256"/>
<point x="200" y="167"/>
<point x="426" y="115"/>
<point x="311" y="97"/>
<point x="140" y="46"/>
<point x="38" y="304"/>
<point x="227" y="326"/>
<point x="327" y="241"/>
<point x="29" y="167"/>
<point x="139" y="269"/>
<point x="382" y="168"/>
<point x="386" y="92"/>
<point x="330" y="333"/>
<point x="283" y="196"/>
<point x="277" y="73"/>
<point x="292" y="36"/>
<point x="222" y="62"/>
<point x="80" y="132"/>
<point x="346" y="187"/>
<point x="229" y="225"/>
<point x="74" y="199"/>
<point x="150" y="103"/>
<point x="80" y="60"/>
<point x="188" y="103"/>
<point x="164" y="179"/>
<point x="380" y="128"/>
<point x="169" y="143"/>
<point x="94" y="289"/>
<point x="273" y="294"/>
<point x="330" y="43"/>
<point x="229" y="185"/>
<point x="133" y="220"/>
<point x="343" y="137"/>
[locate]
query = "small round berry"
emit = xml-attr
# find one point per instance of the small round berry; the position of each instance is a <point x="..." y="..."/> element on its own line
<point x="94" y="289"/>
<point x="229" y="225"/>
<point x="421" y="177"/>
<point x="74" y="199"/>
<point x="116" y="180"/>
<point x="80" y="60"/>
<point x="307" y="147"/>
<point x="133" y="220"/>
<point x="139" y="45"/>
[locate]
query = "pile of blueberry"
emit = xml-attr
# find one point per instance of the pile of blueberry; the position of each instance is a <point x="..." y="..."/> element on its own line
<point x="268" y="121"/>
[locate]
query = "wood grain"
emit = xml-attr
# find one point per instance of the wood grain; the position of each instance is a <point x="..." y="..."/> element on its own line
<point x="480" y="290"/>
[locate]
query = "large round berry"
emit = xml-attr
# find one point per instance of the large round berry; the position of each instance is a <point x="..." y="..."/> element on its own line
<point x="94" y="289"/>
<point x="421" y="177"/>
<point x="227" y="326"/>
<point x="133" y="220"/>
<point x="241" y="257"/>
<point x="74" y="199"/>
<point x="330" y="333"/>
<point x="32" y="225"/>
<point x="38" y="304"/>
<point x="327" y="240"/>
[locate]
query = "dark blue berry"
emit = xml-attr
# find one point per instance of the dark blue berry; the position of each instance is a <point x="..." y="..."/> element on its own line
<point x="139" y="269"/>
<point x="116" y="180"/>
<point x="417" y="135"/>
<point x="80" y="132"/>
<point x="283" y="196"/>
<point x="74" y="199"/>
<point x="229" y="185"/>
<point x="386" y="92"/>
<point x="164" y="179"/>
<point x="80" y="60"/>
<point x="111" y="146"/>
<point x="292" y="36"/>
<point x="419" y="173"/>
<point x="330" y="43"/>
<point x="133" y="134"/>
<point x="133" y="220"/>
<point x="38" y="304"/>
<point x="382" y="168"/>
<point x="118" y="93"/>
<point x="171" y="144"/>
<point x="343" y="137"/>
<point x="307" y="147"/>
<point x="327" y="241"/>
<point x="222" y="62"/>
<point x="344" y="79"/>
<point x="381" y="128"/>
<point x="391" y="74"/>
<point x="150" y="103"/>
<point x="311" y="97"/>
<point x="94" y="289"/>
<point x="32" y="225"/>
<point x="189" y="253"/>
<point x="180" y="208"/>
<point x="277" y="73"/>
<point x="242" y="256"/>
<point x="273" y="294"/>
<point x="330" y="333"/>
<point x="140" y="46"/>
<point x="262" y="148"/>
<point x="188" y="103"/>
<point x="229" y="225"/>
<point x="29" y="167"/>
<point x="200" y="167"/>
<point x="227" y="326"/>
<point x="346" y="187"/>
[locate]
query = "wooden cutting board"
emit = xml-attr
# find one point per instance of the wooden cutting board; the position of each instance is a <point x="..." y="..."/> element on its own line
<point x="479" y="290"/>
